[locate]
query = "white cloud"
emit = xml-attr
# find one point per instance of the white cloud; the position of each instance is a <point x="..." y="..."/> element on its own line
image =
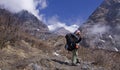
<point x="54" y="23"/>
<point x="42" y="3"/>
<point x="19" y="5"/>
<point x="98" y="29"/>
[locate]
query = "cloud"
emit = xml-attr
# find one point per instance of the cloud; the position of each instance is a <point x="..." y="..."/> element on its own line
<point x="98" y="28"/>
<point x="42" y="4"/>
<point x="54" y="23"/>
<point x="34" y="7"/>
<point x="19" y="5"/>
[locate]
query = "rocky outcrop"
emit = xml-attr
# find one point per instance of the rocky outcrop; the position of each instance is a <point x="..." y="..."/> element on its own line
<point x="102" y="29"/>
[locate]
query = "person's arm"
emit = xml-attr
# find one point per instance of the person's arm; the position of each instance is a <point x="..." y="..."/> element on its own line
<point x="79" y="39"/>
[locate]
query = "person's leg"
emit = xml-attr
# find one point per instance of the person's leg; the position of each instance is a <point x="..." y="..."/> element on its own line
<point x="74" y="56"/>
<point x="77" y="59"/>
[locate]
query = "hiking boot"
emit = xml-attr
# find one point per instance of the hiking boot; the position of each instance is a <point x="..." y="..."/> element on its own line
<point x="73" y="64"/>
<point x="78" y="61"/>
<point x="77" y="64"/>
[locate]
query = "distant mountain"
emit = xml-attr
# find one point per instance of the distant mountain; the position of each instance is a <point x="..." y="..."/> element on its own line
<point x="102" y="29"/>
<point x="24" y="20"/>
<point x="30" y="23"/>
<point x="61" y="31"/>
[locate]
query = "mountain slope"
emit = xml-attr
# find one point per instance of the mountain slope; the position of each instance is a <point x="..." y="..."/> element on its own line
<point x="12" y="26"/>
<point x="30" y="23"/>
<point x="102" y="29"/>
<point x="8" y="27"/>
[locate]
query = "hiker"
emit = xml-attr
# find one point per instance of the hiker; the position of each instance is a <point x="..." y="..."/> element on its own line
<point x="72" y="45"/>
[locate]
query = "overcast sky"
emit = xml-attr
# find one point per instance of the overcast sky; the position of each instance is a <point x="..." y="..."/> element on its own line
<point x="55" y="13"/>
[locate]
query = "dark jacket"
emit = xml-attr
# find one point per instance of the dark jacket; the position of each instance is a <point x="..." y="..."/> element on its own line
<point x="78" y="38"/>
<point x="72" y="38"/>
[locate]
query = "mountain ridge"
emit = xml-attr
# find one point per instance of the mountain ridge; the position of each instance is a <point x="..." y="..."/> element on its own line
<point x="102" y="23"/>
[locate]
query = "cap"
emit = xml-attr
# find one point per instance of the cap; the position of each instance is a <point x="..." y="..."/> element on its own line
<point x="77" y="32"/>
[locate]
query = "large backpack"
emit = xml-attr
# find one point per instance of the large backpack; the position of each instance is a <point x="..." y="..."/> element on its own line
<point x="70" y="41"/>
